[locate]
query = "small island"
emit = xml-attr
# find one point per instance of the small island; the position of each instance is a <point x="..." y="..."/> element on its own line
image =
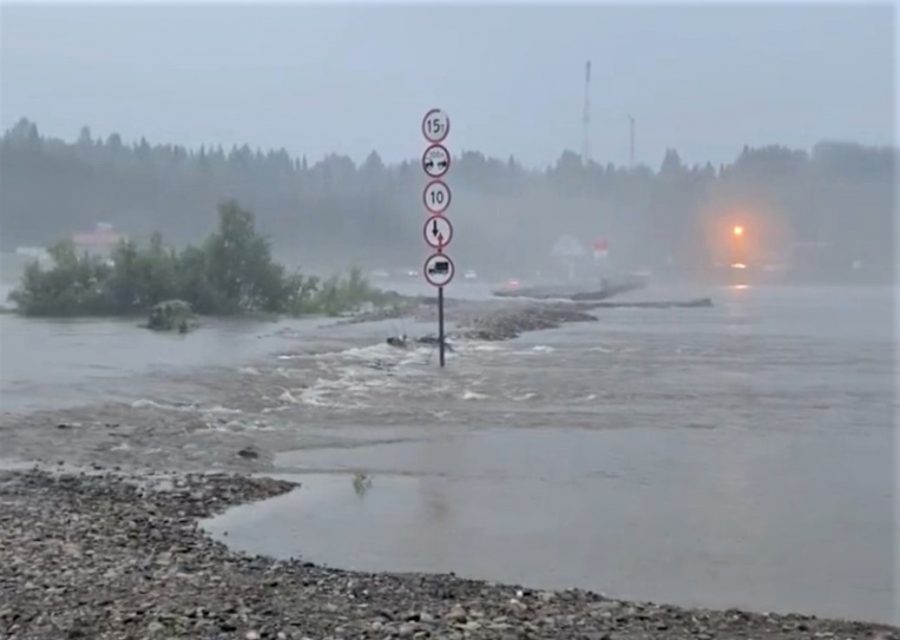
<point x="231" y="273"/>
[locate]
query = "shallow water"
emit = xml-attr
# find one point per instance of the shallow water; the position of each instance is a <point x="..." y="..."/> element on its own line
<point x="57" y="363"/>
<point x="736" y="456"/>
<point x="741" y="455"/>
<point x="704" y="517"/>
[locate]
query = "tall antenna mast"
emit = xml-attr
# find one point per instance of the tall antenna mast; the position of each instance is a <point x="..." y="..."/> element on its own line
<point x="586" y="116"/>
<point x="631" y="141"/>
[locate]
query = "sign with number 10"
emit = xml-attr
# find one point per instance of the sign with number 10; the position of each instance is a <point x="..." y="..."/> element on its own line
<point x="436" y="196"/>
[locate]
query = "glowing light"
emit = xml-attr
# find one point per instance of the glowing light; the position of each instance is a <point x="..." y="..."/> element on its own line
<point x="740" y="287"/>
<point x="737" y="231"/>
<point x="738" y="265"/>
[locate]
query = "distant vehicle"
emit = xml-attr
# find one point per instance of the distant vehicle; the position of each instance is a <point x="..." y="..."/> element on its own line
<point x="412" y="273"/>
<point x="380" y="273"/>
<point x="470" y="275"/>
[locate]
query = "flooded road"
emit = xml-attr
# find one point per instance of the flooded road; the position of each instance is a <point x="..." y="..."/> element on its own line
<point x="741" y="455"/>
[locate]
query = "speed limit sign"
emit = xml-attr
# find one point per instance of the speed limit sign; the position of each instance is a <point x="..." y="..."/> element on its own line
<point x="436" y="196"/>
<point x="435" y="125"/>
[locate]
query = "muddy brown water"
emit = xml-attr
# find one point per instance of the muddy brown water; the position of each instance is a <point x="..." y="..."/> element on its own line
<point x="739" y="456"/>
<point x="736" y="456"/>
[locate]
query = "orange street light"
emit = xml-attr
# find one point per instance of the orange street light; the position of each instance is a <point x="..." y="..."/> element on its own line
<point x="737" y="231"/>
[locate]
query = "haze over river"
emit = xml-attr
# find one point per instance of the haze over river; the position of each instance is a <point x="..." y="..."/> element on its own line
<point x="741" y="455"/>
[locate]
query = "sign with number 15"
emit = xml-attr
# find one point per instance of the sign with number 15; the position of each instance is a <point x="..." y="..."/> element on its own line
<point x="435" y="125"/>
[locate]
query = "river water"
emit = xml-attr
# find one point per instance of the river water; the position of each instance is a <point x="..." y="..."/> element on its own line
<point x="741" y="455"/>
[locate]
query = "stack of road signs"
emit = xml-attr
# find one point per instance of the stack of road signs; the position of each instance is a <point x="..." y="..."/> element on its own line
<point x="438" y="231"/>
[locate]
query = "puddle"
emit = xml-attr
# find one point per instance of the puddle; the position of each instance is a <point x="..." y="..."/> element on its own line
<point x="713" y="518"/>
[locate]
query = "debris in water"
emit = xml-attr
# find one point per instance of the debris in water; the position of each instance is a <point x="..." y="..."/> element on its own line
<point x="361" y="483"/>
<point x="397" y="341"/>
<point x="248" y="453"/>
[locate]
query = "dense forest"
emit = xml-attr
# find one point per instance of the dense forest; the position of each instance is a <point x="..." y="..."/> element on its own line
<point x="828" y="212"/>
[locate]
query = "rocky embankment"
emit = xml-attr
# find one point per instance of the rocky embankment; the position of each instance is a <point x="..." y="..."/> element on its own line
<point x="509" y="323"/>
<point x="108" y="557"/>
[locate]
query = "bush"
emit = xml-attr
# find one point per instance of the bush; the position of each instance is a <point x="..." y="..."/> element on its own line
<point x="231" y="273"/>
<point x="75" y="286"/>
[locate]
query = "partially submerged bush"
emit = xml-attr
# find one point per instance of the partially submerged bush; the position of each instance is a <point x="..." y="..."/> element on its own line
<point x="172" y="315"/>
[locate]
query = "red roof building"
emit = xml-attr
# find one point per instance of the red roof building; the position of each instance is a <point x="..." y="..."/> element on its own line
<point x="103" y="239"/>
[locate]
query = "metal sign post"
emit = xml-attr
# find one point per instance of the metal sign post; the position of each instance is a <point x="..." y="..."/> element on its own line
<point x="438" y="231"/>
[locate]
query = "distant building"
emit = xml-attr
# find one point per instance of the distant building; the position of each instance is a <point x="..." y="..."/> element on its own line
<point x="100" y="241"/>
<point x="34" y="253"/>
<point x="568" y="253"/>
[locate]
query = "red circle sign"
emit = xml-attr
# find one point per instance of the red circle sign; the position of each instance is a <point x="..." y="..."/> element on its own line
<point x="439" y="270"/>
<point x="436" y="196"/>
<point x="435" y="125"/>
<point x="438" y="232"/>
<point x="436" y="160"/>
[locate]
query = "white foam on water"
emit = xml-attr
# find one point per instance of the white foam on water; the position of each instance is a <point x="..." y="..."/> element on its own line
<point x="542" y="348"/>
<point x="287" y="396"/>
<point x="250" y="371"/>
<point x="473" y="395"/>
<point x="353" y="377"/>
<point x="219" y="409"/>
<point x="348" y="390"/>
<point x="147" y="403"/>
<point x="478" y="347"/>
<point x="382" y="350"/>
<point x="525" y="396"/>
<point x="238" y="427"/>
<point x="601" y="349"/>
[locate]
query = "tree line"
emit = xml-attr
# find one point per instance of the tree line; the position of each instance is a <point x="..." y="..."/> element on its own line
<point x="825" y="209"/>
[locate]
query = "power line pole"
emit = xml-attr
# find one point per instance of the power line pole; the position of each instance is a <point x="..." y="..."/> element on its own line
<point x="631" y="141"/>
<point x="586" y="116"/>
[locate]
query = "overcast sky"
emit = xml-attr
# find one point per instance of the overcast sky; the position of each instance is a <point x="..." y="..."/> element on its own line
<point x="349" y="79"/>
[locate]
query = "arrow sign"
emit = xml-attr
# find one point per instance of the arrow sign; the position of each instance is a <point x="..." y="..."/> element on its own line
<point x="438" y="232"/>
<point x="436" y="196"/>
<point x="435" y="125"/>
<point x="436" y="160"/>
<point x="439" y="270"/>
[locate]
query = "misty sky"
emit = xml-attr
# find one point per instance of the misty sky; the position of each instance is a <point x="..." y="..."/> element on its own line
<point x="349" y="79"/>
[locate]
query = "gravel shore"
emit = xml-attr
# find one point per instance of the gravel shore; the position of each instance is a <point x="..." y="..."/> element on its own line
<point x="115" y="556"/>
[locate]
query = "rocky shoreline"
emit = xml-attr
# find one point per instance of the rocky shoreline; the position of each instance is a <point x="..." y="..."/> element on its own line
<point x="115" y="556"/>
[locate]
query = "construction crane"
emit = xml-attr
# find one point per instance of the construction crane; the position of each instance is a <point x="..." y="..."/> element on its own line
<point x="631" y="142"/>
<point x="586" y="116"/>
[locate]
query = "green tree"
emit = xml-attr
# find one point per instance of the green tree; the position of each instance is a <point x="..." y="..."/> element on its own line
<point x="74" y="286"/>
<point x="239" y="264"/>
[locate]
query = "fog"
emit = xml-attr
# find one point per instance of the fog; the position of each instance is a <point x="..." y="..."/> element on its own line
<point x="779" y="119"/>
<point x="229" y="357"/>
